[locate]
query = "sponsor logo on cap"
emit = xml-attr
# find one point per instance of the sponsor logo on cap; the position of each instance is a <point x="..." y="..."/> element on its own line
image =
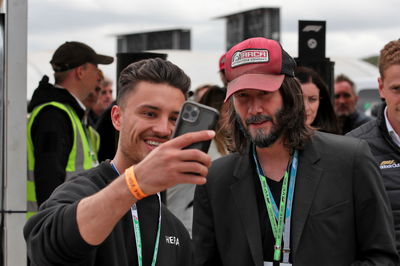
<point x="389" y="164"/>
<point x="250" y="56"/>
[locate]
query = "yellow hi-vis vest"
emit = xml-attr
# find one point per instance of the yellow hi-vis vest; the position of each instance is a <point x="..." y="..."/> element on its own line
<point x="82" y="156"/>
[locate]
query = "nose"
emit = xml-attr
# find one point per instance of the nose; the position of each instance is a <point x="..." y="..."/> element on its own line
<point x="306" y="103"/>
<point x="163" y="127"/>
<point x="255" y="106"/>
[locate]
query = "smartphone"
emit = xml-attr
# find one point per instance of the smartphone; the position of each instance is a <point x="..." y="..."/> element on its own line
<point x="196" y="117"/>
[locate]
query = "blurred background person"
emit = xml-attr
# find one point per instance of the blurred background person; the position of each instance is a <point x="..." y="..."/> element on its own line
<point x="104" y="100"/>
<point x="57" y="145"/>
<point x="345" y="105"/>
<point x="199" y="92"/>
<point x="317" y="101"/>
<point x="89" y="102"/>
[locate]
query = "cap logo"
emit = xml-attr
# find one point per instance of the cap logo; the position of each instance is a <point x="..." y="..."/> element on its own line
<point x="250" y="56"/>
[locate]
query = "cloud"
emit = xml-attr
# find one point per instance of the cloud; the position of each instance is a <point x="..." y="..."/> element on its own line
<point x="352" y="27"/>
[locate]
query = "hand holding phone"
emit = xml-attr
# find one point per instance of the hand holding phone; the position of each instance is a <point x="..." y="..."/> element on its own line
<point x="195" y="117"/>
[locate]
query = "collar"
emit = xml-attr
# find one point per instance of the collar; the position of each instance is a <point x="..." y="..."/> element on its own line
<point x="76" y="98"/>
<point x="395" y="137"/>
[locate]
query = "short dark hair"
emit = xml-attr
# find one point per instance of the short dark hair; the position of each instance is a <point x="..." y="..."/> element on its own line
<point x="154" y="70"/>
<point x="326" y="118"/>
<point x="295" y="134"/>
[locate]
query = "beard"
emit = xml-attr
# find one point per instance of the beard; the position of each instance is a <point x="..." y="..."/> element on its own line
<point x="259" y="137"/>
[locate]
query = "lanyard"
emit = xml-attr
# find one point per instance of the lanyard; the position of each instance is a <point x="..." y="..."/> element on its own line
<point x="136" y="230"/>
<point x="277" y="216"/>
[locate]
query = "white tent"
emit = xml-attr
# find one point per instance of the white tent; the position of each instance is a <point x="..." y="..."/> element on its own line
<point x="202" y="67"/>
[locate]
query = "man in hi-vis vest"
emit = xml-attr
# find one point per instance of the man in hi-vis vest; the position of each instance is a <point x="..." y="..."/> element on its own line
<point x="58" y="143"/>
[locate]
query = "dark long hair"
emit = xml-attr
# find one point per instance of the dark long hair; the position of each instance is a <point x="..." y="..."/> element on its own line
<point x="295" y="133"/>
<point x="325" y="119"/>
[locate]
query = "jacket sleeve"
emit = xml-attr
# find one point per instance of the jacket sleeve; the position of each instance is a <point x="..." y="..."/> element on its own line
<point x="374" y="221"/>
<point x="205" y="245"/>
<point x="52" y="138"/>
<point x="52" y="235"/>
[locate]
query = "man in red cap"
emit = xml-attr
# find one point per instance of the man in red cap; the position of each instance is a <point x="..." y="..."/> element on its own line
<point x="58" y="142"/>
<point x="290" y="195"/>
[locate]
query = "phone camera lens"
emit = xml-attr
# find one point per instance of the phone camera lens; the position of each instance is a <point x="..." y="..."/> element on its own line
<point x="185" y="115"/>
<point x="189" y="108"/>
<point x="193" y="114"/>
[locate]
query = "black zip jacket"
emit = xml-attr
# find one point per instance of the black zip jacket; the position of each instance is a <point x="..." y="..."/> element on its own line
<point x="53" y="236"/>
<point x="387" y="156"/>
<point x="52" y="136"/>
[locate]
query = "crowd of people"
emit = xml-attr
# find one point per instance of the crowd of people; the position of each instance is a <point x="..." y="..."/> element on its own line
<point x="295" y="174"/>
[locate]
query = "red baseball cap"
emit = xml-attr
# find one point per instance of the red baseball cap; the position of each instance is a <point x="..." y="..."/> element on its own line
<point x="257" y="63"/>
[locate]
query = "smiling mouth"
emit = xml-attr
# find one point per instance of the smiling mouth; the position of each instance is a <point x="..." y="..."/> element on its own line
<point x="153" y="143"/>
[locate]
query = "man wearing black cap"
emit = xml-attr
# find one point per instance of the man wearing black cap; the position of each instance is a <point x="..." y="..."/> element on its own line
<point x="58" y="142"/>
<point x="290" y="195"/>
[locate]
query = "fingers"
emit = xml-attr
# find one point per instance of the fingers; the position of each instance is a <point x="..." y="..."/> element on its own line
<point x="190" y="138"/>
<point x="170" y="164"/>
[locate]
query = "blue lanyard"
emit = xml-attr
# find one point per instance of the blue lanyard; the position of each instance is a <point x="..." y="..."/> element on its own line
<point x="280" y="228"/>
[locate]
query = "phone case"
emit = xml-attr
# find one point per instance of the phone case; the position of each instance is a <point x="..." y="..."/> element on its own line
<point x="196" y="117"/>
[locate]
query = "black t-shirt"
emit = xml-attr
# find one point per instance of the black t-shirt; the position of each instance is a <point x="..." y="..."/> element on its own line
<point x="148" y="211"/>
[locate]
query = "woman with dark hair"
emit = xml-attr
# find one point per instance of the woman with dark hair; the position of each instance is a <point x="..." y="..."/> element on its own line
<point x="318" y="105"/>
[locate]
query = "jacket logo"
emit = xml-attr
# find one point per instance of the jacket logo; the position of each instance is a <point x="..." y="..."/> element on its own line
<point x="389" y="164"/>
<point x="172" y="240"/>
<point x="249" y="56"/>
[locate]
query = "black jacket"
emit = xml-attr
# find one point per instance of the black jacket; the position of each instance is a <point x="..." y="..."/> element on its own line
<point x="340" y="216"/>
<point x="387" y="156"/>
<point x="52" y="136"/>
<point x="53" y="236"/>
<point x="353" y="121"/>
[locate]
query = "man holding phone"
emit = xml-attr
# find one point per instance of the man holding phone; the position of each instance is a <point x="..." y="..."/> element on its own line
<point x="290" y="195"/>
<point x="112" y="214"/>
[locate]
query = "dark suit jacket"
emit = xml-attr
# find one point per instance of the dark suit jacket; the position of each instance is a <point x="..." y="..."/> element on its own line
<point x="341" y="214"/>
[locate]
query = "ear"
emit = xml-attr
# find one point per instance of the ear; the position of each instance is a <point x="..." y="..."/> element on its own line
<point x="380" y="83"/>
<point x="116" y="116"/>
<point x="80" y="71"/>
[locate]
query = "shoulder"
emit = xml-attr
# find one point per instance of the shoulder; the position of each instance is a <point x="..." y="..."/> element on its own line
<point x="84" y="184"/>
<point x="225" y="165"/>
<point x="336" y="144"/>
<point x="49" y="115"/>
<point x="365" y="131"/>
<point x="226" y="160"/>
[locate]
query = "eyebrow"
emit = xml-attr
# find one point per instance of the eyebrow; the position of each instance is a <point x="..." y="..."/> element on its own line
<point x="155" y="108"/>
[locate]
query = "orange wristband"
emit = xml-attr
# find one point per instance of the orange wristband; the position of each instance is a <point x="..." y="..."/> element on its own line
<point x="133" y="185"/>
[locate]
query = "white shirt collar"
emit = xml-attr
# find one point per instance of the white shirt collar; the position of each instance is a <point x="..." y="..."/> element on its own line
<point x="76" y="98"/>
<point x="395" y="137"/>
